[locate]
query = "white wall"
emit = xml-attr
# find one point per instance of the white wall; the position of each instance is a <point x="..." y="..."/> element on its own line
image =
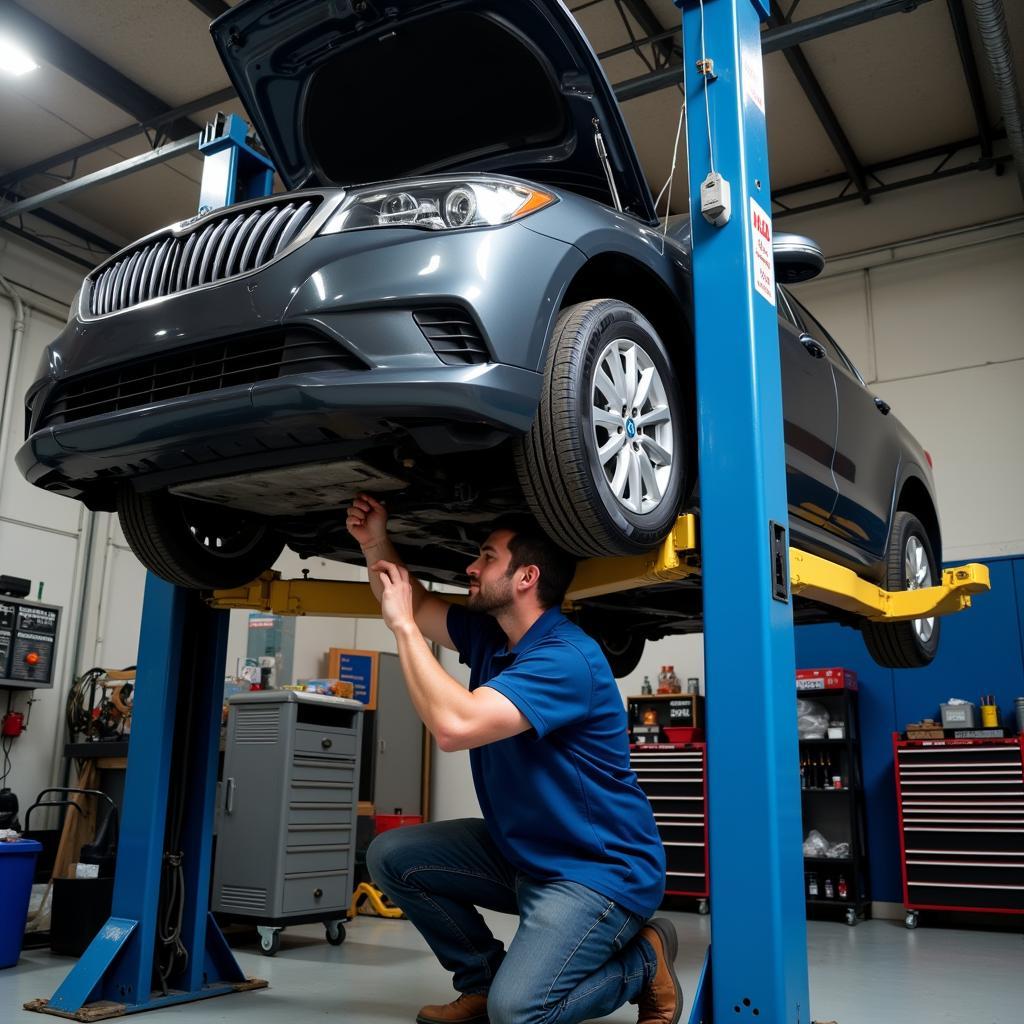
<point x="43" y="538"/>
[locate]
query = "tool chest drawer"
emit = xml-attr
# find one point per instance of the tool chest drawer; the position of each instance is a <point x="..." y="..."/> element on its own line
<point x="961" y="816"/>
<point x="673" y="776"/>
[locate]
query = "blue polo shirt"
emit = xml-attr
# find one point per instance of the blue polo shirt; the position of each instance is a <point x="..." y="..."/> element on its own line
<point x="560" y="800"/>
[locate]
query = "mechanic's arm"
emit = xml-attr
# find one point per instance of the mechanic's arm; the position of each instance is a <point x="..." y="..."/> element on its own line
<point x="367" y="522"/>
<point x="457" y="718"/>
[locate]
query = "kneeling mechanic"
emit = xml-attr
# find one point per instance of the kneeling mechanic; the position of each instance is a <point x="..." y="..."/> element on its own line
<point x="567" y="841"/>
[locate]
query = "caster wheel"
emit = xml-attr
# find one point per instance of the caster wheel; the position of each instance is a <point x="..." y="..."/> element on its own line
<point x="335" y="931"/>
<point x="851" y="917"/>
<point x="702" y="907"/>
<point x="911" y="919"/>
<point x="270" y="941"/>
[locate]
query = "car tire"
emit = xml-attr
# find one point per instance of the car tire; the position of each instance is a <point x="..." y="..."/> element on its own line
<point x="164" y="532"/>
<point x="591" y="497"/>
<point x="622" y="650"/>
<point x="910" y="564"/>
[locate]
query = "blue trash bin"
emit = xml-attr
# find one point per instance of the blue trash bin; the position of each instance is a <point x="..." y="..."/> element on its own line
<point x="17" y="868"/>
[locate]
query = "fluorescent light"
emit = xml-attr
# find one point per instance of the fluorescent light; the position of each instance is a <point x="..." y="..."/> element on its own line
<point x="13" y="59"/>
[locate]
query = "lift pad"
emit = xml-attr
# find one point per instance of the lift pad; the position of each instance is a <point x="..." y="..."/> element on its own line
<point x="814" y="578"/>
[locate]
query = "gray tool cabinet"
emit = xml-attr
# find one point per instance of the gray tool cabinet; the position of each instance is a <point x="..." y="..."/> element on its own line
<point x="286" y="838"/>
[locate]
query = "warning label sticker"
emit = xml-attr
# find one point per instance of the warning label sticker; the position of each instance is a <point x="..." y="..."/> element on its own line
<point x="753" y="79"/>
<point x="763" y="263"/>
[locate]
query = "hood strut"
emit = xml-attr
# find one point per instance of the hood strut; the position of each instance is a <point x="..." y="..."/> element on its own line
<point x="602" y="155"/>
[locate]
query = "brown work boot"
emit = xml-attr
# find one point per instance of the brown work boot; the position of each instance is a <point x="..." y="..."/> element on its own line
<point x="661" y="1000"/>
<point x="467" y="1009"/>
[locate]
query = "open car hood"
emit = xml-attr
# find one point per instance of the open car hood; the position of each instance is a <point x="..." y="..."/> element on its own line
<point x="347" y="92"/>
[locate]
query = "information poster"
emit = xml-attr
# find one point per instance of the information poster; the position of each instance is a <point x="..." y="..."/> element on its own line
<point x="358" y="668"/>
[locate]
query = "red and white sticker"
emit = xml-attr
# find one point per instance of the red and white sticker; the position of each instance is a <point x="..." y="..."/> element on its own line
<point x="764" y="263"/>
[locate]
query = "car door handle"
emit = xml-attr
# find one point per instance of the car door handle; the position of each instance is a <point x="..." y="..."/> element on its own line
<point x="882" y="406"/>
<point x="813" y="347"/>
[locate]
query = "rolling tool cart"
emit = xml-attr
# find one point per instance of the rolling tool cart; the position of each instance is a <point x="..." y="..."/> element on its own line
<point x="286" y="841"/>
<point x="961" y="815"/>
<point x="674" y="777"/>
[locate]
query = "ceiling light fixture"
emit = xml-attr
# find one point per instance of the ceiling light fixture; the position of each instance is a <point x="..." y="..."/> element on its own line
<point x="13" y="59"/>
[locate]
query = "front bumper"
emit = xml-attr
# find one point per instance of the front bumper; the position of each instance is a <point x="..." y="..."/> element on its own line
<point x="308" y="418"/>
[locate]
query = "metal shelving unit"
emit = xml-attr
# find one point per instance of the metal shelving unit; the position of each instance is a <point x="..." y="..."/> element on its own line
<point x="837" y="813"/>
<point x="674" y="777"/>
<point x="961" y="816"/>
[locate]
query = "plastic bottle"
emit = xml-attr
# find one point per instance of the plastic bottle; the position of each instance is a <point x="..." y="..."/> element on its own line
<point x="645" y="686"/>
<point x="674" y="683"/>
<point x="663" y="679"/>
<point x="803" y="773"/>
<point x="812" y="885"/>
<point x="841" y="888"/>
<point x="829" y="889"/>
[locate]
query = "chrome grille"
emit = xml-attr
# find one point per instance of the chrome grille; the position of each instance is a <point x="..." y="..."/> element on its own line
<point x="228" y="362"/>
<point x="221" y="246"/>
<point x="453" y="335"/>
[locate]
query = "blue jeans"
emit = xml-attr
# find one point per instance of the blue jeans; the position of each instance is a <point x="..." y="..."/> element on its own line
<point x="575" y="955"/>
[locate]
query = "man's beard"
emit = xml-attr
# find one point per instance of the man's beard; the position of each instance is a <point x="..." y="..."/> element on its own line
<point x="494" y="599"/>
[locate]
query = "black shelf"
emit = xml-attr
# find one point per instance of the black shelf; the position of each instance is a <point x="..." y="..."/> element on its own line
<point x="841" y="819"/>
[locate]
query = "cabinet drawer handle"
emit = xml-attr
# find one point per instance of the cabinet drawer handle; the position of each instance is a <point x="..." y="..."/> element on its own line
<point x="326" y="743"/>
<point x="229" y="801"/>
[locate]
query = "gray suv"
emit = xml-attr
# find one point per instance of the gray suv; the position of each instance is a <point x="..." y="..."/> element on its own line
<point x="465" y="303"/>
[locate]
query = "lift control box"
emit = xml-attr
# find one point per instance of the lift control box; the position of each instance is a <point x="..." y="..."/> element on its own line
<point x="28" y="641"/>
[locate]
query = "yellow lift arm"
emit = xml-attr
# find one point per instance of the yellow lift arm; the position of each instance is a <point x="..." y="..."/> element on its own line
<point x="676" y="558"/>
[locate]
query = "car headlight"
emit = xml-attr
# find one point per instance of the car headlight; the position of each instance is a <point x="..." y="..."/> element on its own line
<point x="438" y="205"/>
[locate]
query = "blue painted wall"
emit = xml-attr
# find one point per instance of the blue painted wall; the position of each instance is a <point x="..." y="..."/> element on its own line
<point x="981" y="651"/>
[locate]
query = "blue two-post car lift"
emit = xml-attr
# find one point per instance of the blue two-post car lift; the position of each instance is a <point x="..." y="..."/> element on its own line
<point x="158" y="951"/>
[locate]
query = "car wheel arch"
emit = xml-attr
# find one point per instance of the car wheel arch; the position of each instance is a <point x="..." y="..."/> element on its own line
<point x="617" y="275"/>
<point x="915" y="498"/>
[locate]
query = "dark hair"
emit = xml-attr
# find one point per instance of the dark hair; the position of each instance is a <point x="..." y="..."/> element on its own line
<point x="531" y="546"/>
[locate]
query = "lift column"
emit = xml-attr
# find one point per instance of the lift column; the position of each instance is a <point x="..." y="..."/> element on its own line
<point x="161" y="945"/>
<point x="758" y="958"/>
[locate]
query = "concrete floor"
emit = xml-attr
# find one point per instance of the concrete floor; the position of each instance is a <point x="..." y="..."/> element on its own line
<point x="876" y="973"/>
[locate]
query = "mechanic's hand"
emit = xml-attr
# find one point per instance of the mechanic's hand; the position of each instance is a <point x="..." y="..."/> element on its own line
<point x="396" y="600"/>
<point x="367" y="521"/>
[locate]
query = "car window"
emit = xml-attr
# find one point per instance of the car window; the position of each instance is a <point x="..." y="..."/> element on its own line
<point x="813" y="327"/>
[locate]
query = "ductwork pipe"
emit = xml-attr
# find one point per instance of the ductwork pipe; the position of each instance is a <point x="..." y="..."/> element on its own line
<point x="992" y="26"/>
<point x="9" y="385"/>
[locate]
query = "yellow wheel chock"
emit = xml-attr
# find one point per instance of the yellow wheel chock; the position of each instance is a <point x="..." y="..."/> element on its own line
<point x="368" y="899"/>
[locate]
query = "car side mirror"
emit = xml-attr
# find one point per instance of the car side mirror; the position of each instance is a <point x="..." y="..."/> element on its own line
<point x="796" y="258"/>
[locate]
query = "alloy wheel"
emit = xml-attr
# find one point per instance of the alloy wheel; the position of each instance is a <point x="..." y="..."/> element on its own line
<point x="632" y="426"/>
<point x="918" y="573"/>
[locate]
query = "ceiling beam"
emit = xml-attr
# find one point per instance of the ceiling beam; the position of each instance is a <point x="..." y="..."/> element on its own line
<point x="947" y="150"/>
<point x="893" y="186"/>
<point x="46" y="244"/>
<point x="971" y="77"/>
<point x="101" y="177"/>
<point x="776" y="39"/>
<point x="113" y="138"/>
<point x="667" y="49"/>
<point x="63" y="224"/>
<point x="211" y="8"/>
<point x="822" y="108"/>
<point x="46" y="43"/>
